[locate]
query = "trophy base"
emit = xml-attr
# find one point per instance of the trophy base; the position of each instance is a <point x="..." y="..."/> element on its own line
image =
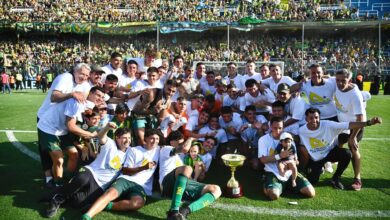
<point x="234" y="192"/>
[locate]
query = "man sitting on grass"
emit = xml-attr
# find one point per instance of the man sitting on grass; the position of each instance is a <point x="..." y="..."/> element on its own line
<point x="136" y="179"/>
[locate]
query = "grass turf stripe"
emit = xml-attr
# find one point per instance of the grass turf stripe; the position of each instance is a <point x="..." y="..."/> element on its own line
<point x="21" y="147"/>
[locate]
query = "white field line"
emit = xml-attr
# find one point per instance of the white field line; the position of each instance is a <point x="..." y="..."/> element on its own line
<point x="249" y="209"/>
<point x="303" y="213"/>
<point x="21" y="147"/>
<point x="19" y="131"/>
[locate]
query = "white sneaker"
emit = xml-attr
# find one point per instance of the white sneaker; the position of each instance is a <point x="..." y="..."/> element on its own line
<point x="328" y="167"/>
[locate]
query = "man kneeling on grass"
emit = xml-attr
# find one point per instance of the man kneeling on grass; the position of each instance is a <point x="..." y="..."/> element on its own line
<point x="274" y="182"/>
<point x="136" y="180"/>
<point x="175" y="180"/>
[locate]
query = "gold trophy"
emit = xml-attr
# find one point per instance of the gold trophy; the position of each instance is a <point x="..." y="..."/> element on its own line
<point x="234" y="189"/>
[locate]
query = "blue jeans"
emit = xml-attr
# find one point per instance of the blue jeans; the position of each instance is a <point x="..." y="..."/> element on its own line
<point x="6" y="86"/>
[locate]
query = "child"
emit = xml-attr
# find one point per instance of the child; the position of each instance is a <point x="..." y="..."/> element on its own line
<point x="194" y="160"/>
<point x="89" y="147"/>
<point x="291" y="162"/>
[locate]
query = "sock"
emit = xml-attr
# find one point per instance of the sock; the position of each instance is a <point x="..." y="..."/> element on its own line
<point x="205" y="200"/>
<point x="109" y="206"/>
<point x="85" y="217"/>
<point x="48" y="178"/>
<point x="178" y="190"/>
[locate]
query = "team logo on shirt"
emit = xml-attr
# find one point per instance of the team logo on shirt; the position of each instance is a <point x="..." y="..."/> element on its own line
<point x="144" y="162"/>
<point x="339" y="106"/>
<point x="316" y="99"/>
<point x="115" y="163"/>
<point x="315" y="143"/>
<point x="271" y="151"/>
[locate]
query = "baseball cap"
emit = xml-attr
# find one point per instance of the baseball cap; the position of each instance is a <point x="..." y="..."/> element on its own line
<point x="286" y="135"/>
<point x="97" y="69"/>
<point x="283" y="87"/>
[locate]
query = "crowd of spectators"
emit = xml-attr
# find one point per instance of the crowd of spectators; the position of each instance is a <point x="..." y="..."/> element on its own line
<point x="167" y="10"/>
<point x="55" y="55"/>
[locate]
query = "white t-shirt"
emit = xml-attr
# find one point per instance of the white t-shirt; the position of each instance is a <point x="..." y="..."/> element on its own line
<point x="167" y="162"/>
<point x="236" y="103"/>
<point x="268" y="96"/>
<point x="192" y="123"/>
<point x="221" y="137"/>
<point x="321" y="141"/>
<point x="53" y="120"/>
<point x="255" y="76"/>
<point x="125" y="81"/>
<point x="296" y="109"/>
<point x="191" y="112"/>
<point x="237" y="82"/>
<point x="109" y="70"/>
<point x="274" y="86"/>
<point x="63" y="83"/>
<point x="138" y="157"/>
<point x="206" y="158"/>
<point x="105" y="168"/>
<point x="349" y="104"/>
<point x="236" y="123"/>
<point x="267" y="145"/>
<point x="321" y="97"/>
<point x="207" y="89"/>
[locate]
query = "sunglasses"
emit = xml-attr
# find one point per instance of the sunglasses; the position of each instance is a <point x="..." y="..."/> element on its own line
<point x="102" y="109"/>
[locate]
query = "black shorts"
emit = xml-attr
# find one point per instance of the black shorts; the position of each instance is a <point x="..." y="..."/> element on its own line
<point x="343" y="137"/>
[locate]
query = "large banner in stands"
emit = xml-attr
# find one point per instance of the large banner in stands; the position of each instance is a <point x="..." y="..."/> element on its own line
<point x="83" y="28"/>
<point x="171" y="27"/>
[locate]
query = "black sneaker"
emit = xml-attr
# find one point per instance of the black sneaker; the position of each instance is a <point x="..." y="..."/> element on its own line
<point x="175" y="215"/>
<point x="55" y="203"/>
<point x="184" y="211"/>
<point x="336" y="183"/>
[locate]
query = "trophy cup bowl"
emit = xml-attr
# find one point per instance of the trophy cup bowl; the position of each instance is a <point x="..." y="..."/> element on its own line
<point x="233" y="189"/>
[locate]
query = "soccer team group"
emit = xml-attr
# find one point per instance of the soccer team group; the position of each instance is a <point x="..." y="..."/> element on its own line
<point x="117" y="124"/>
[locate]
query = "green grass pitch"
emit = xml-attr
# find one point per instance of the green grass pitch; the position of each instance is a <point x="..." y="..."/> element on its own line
<point x="21" y="177"/>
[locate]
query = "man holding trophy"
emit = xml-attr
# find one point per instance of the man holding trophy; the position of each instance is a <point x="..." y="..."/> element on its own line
<point x="274" y="182"/>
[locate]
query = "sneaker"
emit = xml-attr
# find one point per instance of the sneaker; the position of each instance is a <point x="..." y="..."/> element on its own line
<point x="328" y="167"/>
<point x="174" y="215"/>
<point x="336" y="183"/>
<point x="356" y="185"/>
<point x="55" y="203"/>
<point x="184" y="210"/>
